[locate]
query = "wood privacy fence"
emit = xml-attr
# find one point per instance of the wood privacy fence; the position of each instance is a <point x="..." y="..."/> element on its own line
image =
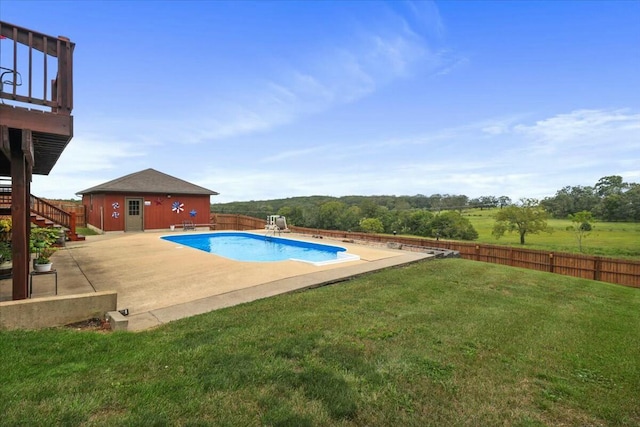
<point x="76" y="209"/>
<point x="237" y="222"/>
<point x="612" y="270"/>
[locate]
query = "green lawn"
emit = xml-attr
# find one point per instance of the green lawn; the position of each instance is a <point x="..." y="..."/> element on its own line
<point x="447" y="342"/>
<point x="612" y="239"/>
<point x="86" y="231"/>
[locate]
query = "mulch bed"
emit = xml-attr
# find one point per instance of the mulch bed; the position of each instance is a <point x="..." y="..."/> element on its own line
<point x="94" y="324"/>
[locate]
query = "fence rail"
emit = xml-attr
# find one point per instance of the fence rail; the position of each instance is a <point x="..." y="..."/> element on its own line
<point x="611" y="270"/>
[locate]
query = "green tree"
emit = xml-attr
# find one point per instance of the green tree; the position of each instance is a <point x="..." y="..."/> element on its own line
<point x="349" y="219"/>
<point x="581" y="225"/>
<point x="504" y="201"/>
<point x="484" y="202"/>
<point x="294" y="215"/>
<point x="570" y="200"/>
<point x="608" y="185"/>
<point x="455" y="202"/>
<point x="369" y="208"/>
<point x="371" y="225"/>
<point x="452" y="225"/>
<point x="387" y="218"/>
<point x="418" y="223"/>
<point x="613" y="207"/>
<point x="329" y="215"/>
<point x="526" y="218"/>
<point x="398" y="224"/>
<point x="633" y="199"/>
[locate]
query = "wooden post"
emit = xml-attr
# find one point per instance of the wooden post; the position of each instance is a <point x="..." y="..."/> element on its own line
<point x="551" y="264"/>
<point x="20" y="174"/>
<point x="72" y="225"/>
<point x="597" y="268"/>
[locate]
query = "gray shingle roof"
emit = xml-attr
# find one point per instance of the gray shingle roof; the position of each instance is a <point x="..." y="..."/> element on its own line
<point x="148" y="181"/>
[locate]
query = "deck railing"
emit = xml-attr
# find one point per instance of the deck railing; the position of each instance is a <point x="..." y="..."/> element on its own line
<point x="28" y="59"/>
<point x="38" y="206"/>
<point x="52" y="213"/>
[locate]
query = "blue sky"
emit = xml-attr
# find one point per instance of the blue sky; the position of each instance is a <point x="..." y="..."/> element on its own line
<point x="263" y="100"/>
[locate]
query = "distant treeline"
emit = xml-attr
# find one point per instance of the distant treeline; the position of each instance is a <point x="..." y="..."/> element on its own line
<point x="416" y="215"/>
<point x="610" y="199"/>
<point x="438" y="215"/>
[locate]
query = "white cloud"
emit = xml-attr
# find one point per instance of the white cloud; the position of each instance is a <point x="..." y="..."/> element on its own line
<point x="583" y="129"/>
<point x="272" y="157"/>
<point x="320" y="80"/>
<point x="91" y="152"/>
<point x="428" y="16"/>
<point x="499" y="156"/>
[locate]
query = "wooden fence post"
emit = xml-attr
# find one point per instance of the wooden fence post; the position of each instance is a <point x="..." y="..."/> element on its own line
<point x="551" y="263"/>
<point x="597" y="268"/>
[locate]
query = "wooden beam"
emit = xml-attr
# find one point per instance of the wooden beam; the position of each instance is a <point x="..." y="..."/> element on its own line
<point x="36" y="121"/>
<point x="23" y="35"/>
<point x="5" y="142"/>
<point x="27" y="146"/>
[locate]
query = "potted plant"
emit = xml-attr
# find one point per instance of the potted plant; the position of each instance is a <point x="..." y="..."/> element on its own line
<point x="6" y="254"/>
<point x="43" y="261"/>
<point x="41" y="244"/>
<point x="5" y="229"/>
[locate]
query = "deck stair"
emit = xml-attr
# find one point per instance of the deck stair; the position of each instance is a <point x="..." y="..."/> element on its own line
<point x="43" y="213"/>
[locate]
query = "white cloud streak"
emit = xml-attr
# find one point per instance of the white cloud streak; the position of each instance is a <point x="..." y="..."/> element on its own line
<point x="336" y="75"/>
<point x="509" y="161"/>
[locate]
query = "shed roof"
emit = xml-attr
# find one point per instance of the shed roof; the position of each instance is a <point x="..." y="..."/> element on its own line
<point x="148" y="181"/>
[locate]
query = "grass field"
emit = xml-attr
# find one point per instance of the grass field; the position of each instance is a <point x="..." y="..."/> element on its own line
<point x="86" y="231"/>
<point x="447" y="342"/>
<point x="612" y="239"/>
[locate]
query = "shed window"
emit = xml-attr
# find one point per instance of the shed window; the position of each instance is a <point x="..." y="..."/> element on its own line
<point x="134" y="207"/>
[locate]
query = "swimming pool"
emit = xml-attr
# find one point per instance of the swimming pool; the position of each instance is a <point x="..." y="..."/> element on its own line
<point x="254" y="247"/>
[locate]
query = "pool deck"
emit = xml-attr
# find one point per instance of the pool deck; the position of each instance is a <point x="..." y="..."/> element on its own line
<point x="160" y="281"/>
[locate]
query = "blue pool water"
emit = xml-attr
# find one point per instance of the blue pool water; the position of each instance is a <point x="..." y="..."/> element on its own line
<point x="255" y="247"/>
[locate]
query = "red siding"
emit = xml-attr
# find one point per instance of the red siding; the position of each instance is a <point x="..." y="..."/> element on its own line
<point x="93" y="205"/>
<point x="107" y="211"/>
<point x="159" y="213"/>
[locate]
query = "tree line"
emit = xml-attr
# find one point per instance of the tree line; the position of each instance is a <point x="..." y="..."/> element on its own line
<point x="440" y="215"/>
<point x="610" y="199"/>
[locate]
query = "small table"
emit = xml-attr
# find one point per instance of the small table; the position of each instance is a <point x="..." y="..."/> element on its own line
<point x="42" y="273"/>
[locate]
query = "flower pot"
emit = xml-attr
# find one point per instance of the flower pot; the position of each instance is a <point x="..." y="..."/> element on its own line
<point x="6" y="268"/>
<point x="42" y="267"/>
<point x="172" y="227"/>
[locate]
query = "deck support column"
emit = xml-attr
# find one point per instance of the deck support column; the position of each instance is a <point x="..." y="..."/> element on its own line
<point x="20" y="211"/>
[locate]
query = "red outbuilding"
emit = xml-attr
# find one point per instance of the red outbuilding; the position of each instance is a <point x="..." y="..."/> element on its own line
<point x="146" y="200"/>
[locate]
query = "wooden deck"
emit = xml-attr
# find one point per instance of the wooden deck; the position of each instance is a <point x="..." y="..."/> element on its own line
<point x="36" y="100"/>
<point x="35" y="112"/>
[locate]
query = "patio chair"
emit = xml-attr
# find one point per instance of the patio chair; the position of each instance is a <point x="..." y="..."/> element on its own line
<point x="188" y="225"/>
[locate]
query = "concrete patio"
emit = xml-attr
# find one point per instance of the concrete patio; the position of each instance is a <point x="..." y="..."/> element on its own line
<point x="160" y="281"/>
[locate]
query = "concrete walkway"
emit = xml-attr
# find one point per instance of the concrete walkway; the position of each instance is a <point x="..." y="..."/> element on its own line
<point x="160" y="281"/>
